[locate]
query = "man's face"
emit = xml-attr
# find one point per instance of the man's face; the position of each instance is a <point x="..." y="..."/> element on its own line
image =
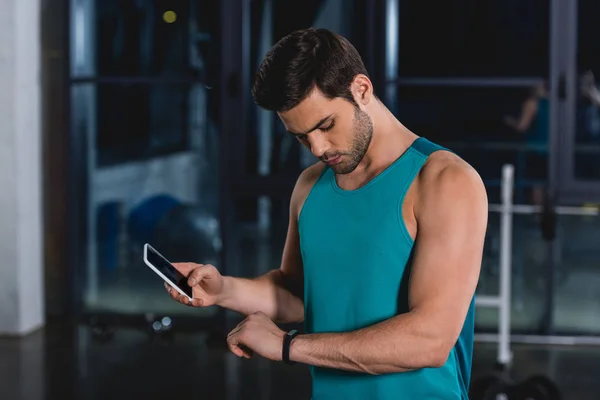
<point x="335" y="131"/>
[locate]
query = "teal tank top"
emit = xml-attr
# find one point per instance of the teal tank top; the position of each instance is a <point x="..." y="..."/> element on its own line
<point x="356" y="252"/>
<point x="539" y="132"/>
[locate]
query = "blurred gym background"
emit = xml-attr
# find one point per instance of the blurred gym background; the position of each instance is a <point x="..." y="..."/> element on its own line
<point x="131" y="121"/>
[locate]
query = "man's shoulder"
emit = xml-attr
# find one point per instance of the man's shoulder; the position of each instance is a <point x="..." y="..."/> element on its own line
<point x="442" y="161"/>
<point x="304" y="184"/>
<point x="448" y="176"/>
<point x="310" y="175"/>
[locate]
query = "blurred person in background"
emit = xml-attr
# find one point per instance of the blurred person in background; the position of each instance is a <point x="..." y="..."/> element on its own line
<point x="533" y="123"/>
<point x="591" y="107"/>
<point x="384" y="243"/>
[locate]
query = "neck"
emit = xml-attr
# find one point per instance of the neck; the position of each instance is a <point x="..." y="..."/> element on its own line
<point x="390" y="140"/>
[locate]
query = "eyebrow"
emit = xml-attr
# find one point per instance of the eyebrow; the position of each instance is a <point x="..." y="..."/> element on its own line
<point x="317" y="125"/>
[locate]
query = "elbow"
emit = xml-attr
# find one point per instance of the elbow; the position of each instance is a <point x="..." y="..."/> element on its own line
<point x="435" y="355"/>
<point x="438" y="354"/>
<point x="291" y="312"/>
<point x="438" y="360"/>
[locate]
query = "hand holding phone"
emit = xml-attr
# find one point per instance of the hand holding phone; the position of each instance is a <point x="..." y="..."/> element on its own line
<point x="188" y="283"/>
<point x="163" y="268"/>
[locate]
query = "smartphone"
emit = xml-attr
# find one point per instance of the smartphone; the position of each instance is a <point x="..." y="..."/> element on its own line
<point x="166" y="271"/>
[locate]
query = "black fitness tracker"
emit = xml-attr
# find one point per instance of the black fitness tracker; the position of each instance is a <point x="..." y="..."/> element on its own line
<point x="287" y="340"/>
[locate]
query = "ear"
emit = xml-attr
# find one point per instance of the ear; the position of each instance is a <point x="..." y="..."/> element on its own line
<point x="362" y="89"/>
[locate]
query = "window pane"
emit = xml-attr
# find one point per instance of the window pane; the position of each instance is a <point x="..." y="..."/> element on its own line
<point x="577" y="260"/>
<point x="474" y="38"/>
<point x="167" y="200"/>
<point x="528" y="280"/>
<point x="156" y="38"/>
<point x="477" y="124"/>
<point x="587" y="137"/>
<point x="138" y="121"/>
<point x="260" y="230"/>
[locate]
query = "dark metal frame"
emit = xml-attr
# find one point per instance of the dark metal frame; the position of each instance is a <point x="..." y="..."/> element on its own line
<point x="56" y="141"/>
<point x="555" y="139"/>
<point x="234" y="81"/>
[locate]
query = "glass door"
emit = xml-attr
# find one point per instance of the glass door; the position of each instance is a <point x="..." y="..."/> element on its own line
<point x="576" y="309"/>
<point x="580" y="71"/>
<point x="145" y="134"/>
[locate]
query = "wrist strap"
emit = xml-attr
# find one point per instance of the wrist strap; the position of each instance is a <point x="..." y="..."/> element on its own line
<point x="287" y="340"/>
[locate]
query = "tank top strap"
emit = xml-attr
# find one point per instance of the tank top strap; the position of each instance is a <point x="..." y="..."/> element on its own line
<point x="425" y="147"/>
<point x="414" y="159"/>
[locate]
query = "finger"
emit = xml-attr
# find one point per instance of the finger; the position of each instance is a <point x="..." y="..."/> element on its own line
<point x="234" y="331"/>
<point x="185" y="300"/>
<point x="247" y="352"/>
<point x="237" y="351"/>
<point x="199" y="297"/>
<point x="197" y="300"/>
<point x="238" y="328"/>
<point x="237" y="348"/>
<point x="199" y="273"/>
<point x="179" y="297"/>
<point x="186" y="267"/>
<point x="172" y="292"/>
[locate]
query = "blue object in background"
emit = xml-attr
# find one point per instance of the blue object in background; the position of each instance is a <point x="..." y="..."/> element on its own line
<point x="144" y="218"/>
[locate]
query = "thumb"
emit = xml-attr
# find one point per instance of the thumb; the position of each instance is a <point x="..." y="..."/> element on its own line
<point x="200" y="298"/>
<point x="200" y="273"/>
<point x="185" y="268"/>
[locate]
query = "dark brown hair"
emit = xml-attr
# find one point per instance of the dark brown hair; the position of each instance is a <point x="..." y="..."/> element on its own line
<point x="302" y="60"/>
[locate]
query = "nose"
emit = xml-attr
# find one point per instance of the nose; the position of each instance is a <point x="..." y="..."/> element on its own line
<point x="318" y="145"/>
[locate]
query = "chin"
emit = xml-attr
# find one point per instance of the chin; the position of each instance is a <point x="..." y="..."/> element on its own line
<point x="342" y="169"/>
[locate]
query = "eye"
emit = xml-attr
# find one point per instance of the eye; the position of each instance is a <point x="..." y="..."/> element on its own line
<point x="301" y="137"/>
<point x="328" y="127"/>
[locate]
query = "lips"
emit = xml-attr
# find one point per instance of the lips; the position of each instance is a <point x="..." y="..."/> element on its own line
<point x="333" y="161"/>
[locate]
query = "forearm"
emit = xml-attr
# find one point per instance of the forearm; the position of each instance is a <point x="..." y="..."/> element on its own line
<point x="400" y="344"/>
<point x="268" y="294"/>
<point x="594" y="97"/>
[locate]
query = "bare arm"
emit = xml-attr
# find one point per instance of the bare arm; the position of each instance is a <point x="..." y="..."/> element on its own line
<point x="593" y="95"/>
<point x="278" y="293"/>
<point x="589" y="89"/>
<point x="528" y="112"/>
<point x="451" y="220"/>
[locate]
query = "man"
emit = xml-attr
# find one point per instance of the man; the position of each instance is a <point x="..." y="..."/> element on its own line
<point x="384" y="245"/>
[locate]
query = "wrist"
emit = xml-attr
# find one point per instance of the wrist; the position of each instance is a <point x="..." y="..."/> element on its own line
<point x="299" y="348"/>
<point x="224" y="298"/>
<point x="287" y="341"/>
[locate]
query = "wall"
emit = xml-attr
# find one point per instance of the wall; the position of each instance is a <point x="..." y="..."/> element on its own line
<point x="21" y="283"/>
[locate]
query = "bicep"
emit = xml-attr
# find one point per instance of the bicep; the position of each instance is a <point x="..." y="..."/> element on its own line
<point x="448" y="250"/>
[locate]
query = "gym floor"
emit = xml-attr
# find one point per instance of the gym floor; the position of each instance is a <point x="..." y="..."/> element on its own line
<point x="64" y="362"/>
